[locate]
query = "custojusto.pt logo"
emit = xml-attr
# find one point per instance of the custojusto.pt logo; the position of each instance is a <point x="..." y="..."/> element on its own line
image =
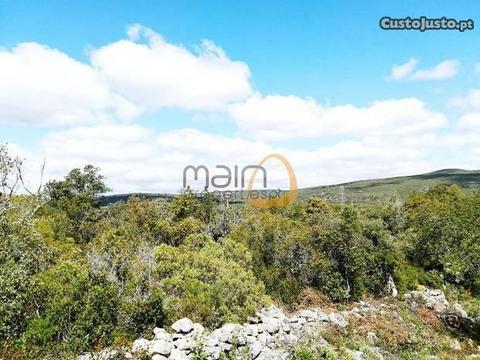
<point x="235" y="178"/>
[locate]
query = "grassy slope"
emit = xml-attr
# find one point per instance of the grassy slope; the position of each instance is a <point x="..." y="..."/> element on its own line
<point x="364" y="190"/>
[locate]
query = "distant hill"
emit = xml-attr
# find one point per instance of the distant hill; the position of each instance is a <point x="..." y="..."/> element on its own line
<point x="110" y="199"/>
<point x="362" y="190"/>
<point x="394" y="187"/>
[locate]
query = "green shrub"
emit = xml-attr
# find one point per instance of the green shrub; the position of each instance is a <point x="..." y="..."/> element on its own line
<point x="81" y="306"/>
<point x="200" y="281"/>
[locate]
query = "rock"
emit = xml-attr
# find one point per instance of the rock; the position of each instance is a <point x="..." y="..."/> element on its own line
<point x="159" y="357"/>
<point x="183" y="326"/>
<point x="162" y="334"/>
<point x="456" y="345"/>
<point x="86" y="356"/>
<point x="458" y="309"/>
<point x="391" y="288"/>
<point x="338" y="320"/>
<point x="272" y="326"/>
<point x="432" y="299"/>
<point x="184" y="344"/>
<point x="255" y="349"/>
<point x="251" y="330"/>
<point x="198" y="330"/>
<point x="226" y="333"/>
<point x="286" y="328"/>
<point x="253" y="320"/>
<point x="308" y="315"/>
<point x="177" y="354"/>
<point x="372" y="337"/>
<point x="266" y="354"/>
<point x="271" y="312"/>
<point x="356" y="355"/>
<point x="161" y="347"/>
<point x="213" y="352"/>
<point x="140" y="345"/>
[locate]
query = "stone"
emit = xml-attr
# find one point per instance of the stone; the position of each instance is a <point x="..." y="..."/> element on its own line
<point x="391" y="287"/>
<point x="198" y="330"/>
<point x="86" y="356"/>
<point x="458" y="309"/>
<point x="213" y="352"/>
<point x="267" y="354"/>
<point x="271" y="312"/>
<point x="140" y="345"/>
<point x="272" y="326"/>
<point x="183" y="344"/>
<point x="177" y="354"/>
<point x="251" y="329"/>
<point x="286" y="328"/>
<point x="356" y="355"/>
<point x="159" y="357"/>
<point x="338" y="320"/>
<point x="255" y="349"/>
<point x="308" y="315"/>
<point x="183" y="326"/>
<point x="372" y="337"/>
<point x="456" y="345"/>
<point x="161" y="347"/>
<point x="162" y="334"/>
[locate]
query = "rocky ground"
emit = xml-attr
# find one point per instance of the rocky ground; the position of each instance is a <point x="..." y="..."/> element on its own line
<point x="422" y="325"/>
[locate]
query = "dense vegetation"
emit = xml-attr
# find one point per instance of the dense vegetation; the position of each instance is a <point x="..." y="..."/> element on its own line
<point x="76" y="275"/>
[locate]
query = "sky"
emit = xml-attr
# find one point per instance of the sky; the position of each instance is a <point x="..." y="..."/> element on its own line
<point x="143" y="89"/>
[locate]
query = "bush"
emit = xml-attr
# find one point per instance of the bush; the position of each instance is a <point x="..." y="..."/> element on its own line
<point x="81" y="307"/>
<point x="17" y="289"/>
<point x="201" y="282"/>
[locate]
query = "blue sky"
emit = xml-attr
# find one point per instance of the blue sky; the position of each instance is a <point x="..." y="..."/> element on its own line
<point x="331" y="53"/>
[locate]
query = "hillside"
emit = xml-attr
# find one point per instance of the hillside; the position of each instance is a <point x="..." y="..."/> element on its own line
<point x="362" y="190"/>
<point x="365" y="190"/>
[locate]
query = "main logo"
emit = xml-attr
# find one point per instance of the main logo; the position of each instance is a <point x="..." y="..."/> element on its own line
<point x="263" y="197"/>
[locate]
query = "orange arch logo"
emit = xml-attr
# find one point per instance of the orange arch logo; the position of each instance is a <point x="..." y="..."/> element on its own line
<point x="288" y="197"/>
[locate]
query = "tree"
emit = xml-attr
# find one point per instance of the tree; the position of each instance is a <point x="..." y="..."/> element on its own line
<point x="77" y="196"/>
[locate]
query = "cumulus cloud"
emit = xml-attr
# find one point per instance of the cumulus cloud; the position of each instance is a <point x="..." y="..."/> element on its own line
<point x="40" y="85"/>
<point x="444" y="70"/>
<point x="469" y="101"/>
<point x="470" y="121"/>
<point x="404" y="70"/>
<point x="277" y="117"/>
<point x="157" y="73"/>
<point x="136" y="158"/>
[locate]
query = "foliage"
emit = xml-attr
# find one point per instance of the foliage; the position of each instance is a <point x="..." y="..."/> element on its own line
<point x="202" y="282"/>
<point x="445" y="234"/>
<point x="75" y="275"/>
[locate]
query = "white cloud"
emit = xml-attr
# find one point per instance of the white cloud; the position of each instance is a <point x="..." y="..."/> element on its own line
<point x="135" y="158"/>
<point x="276" y="117"/>
<point x="404" y="70"/>
<point x="470" y="121"/>
<point x="470" y="101"/>
<point x="157" y="73"/>
<point x="40" y="85"/>
<point x="444" y="70"/>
